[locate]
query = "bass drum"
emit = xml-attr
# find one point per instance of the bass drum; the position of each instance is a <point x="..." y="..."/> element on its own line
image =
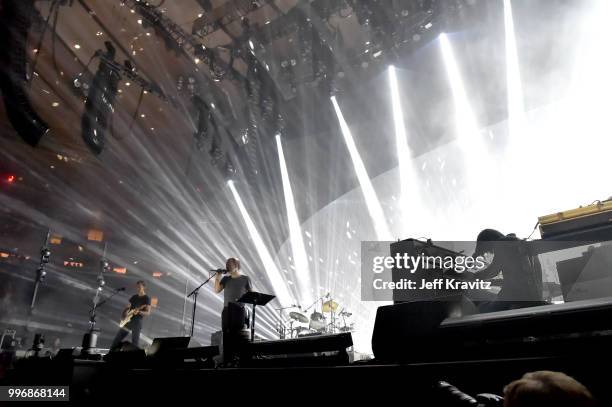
<point x="317" y="322"/>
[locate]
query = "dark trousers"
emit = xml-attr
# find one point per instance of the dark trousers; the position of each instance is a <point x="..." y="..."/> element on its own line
<point x="134" y="326"/>
<point x="234" y="319"/>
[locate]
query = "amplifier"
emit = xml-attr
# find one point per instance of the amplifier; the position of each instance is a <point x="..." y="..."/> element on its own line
<point x="576" y="220"/>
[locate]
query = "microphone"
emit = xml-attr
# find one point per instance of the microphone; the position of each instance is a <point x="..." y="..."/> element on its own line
<point x="219" y="270"/>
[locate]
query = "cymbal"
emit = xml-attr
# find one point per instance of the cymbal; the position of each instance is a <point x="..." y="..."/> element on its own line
<point x="298" y="317"/>
<point x="330" y="306"/>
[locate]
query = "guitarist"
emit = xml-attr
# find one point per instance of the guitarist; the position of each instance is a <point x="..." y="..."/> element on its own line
<point x="140" y="304"/>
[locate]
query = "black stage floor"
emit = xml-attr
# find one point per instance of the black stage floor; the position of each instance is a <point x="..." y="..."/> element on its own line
<point x="100" y="381"/>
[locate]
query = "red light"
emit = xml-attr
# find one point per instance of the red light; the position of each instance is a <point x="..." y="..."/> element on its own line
<point x="10" y="179"/>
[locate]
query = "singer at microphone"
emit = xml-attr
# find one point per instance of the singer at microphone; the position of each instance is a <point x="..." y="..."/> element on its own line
<point x="234" y="317"/>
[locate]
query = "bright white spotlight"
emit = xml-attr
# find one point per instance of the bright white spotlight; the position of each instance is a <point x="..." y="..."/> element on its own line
<point x="466" y="124"/>
<point x="404" y="155"/>
<point x="295" y="232"/>
<point x="371" y="199"/>
<point x="516" y="106"/>
<point x="274" y="275"/>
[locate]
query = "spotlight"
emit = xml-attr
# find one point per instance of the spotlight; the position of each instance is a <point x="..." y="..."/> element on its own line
<point x="10" y="179"/>
<point x="104" y="265"/>
<point x="45" y="255"/>
<point x="230" y="170"/>
<point x="369" y="194"/>
<point x="41" y="274"/>
<point x="295" y="230"/>
<point x="274" y="275"/>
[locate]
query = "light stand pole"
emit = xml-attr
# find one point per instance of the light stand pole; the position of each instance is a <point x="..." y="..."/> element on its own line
<point x="45" y="255"/>
<point x="90" y="339"/>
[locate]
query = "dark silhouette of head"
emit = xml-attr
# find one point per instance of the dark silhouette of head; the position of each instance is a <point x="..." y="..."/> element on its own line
<point x="546" y="388"/>
<point x="485" y="241"/>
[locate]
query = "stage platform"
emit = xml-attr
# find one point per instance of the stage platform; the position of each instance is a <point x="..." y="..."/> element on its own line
<point x="101" y="381"/>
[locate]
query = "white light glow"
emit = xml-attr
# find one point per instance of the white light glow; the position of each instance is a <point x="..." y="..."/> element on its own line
<point x="371" y="199"/>
<point x="466" y="124"/>
<point x="274" y="275"/>
<point x="295" y="232"/>
<point x="404" y="155"/>
<point x="516" y="106"/>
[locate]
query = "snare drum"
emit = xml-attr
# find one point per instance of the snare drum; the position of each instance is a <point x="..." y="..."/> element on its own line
<point x="317" y="322"/>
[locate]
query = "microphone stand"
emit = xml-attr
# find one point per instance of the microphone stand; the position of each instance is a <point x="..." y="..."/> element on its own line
<point x="194" y="293"/>
<point x="316" y="301"/>
<point x="90" y="339"/>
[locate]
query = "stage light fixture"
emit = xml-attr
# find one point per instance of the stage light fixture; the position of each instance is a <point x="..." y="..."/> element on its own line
<point x="374" y="207"/>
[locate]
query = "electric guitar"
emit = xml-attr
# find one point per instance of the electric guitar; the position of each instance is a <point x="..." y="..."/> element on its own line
<point x="130" y="314"/>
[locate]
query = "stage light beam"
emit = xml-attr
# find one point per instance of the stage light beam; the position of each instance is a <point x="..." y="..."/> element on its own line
<point x="516" y="106"/>
<point x="466" y="124"/>
<point x="276" y="279"/>
<point x="300" y="258"/>
<point x="373" y="204"/>
<point x="404" y="155"/>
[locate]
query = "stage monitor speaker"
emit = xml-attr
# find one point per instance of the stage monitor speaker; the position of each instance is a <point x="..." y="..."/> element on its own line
<point x="406" y="331"/>
<point x="161" y="346"/>
<point x="320" y="350"/>
<point x="126" y="353"/>
<point x="176" y="350"/>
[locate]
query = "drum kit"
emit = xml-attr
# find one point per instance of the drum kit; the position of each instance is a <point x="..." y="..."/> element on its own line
<point x="326" y="319"/>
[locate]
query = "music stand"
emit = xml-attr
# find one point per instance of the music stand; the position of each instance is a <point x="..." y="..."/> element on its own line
<point x="255" y="299"/>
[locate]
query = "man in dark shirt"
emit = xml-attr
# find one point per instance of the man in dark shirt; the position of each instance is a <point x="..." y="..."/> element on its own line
<point x="521" y="273"/>
<point x="141" y="303"/>
<point x="234" y="317"/>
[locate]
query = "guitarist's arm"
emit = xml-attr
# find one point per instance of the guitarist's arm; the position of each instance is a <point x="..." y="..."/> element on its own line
<point x="146" y="310"/>
<point x="125" y="311"/>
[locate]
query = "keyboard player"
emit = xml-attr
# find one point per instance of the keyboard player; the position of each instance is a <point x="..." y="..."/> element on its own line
<point x="521" y="273"/>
